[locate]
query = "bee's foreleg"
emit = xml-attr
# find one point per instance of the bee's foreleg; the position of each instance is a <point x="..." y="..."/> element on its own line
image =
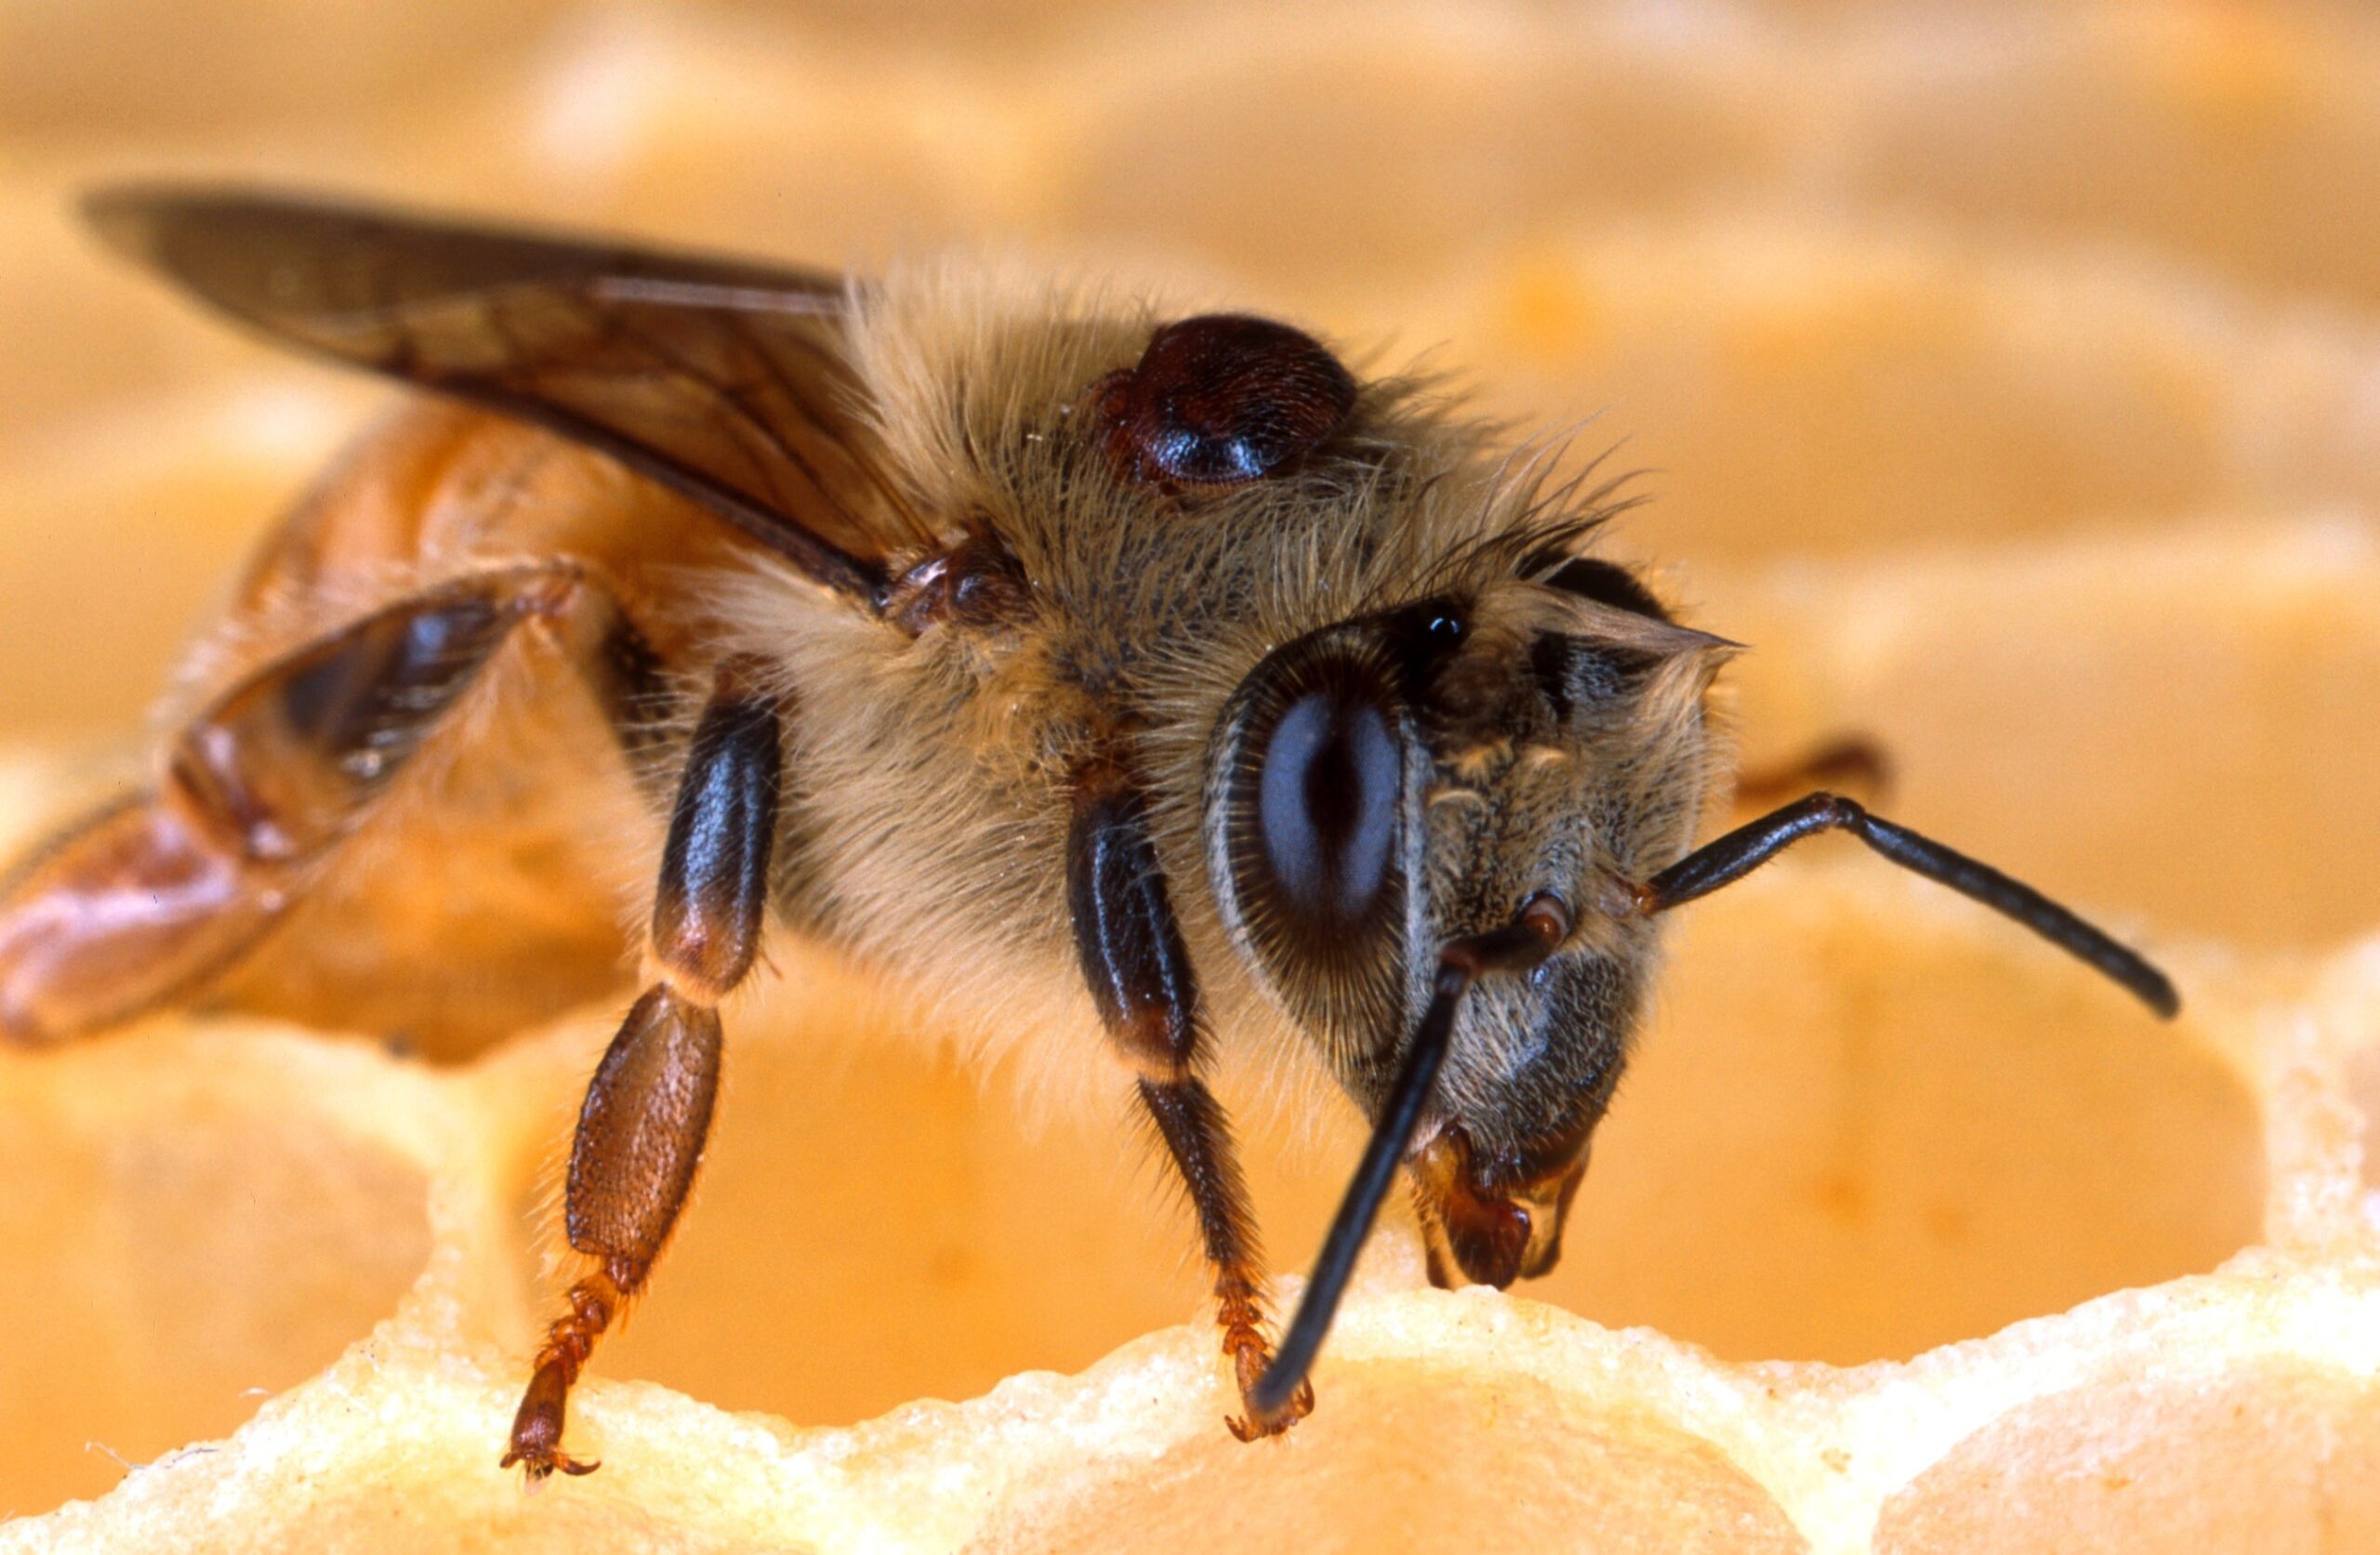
<point x="150" y="898"/>
<point x="1142" y="980"/>
<point x="647" y="1110"/>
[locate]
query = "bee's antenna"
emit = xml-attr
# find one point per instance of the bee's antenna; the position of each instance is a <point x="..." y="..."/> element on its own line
<point x="1748" y="847"/>
<point x="1541" y="925"/>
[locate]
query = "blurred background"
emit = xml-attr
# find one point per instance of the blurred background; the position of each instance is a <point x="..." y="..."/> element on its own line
<point x="2006" y="374"/>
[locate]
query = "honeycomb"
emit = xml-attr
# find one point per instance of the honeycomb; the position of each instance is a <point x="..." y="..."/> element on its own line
<point x="2011" y="376"/>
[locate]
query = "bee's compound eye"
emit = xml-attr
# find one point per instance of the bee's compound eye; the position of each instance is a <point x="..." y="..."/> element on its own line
<point x="1223" y="399"/>
<point x="1310" y="822"/>
<point x="1326" y="806"/>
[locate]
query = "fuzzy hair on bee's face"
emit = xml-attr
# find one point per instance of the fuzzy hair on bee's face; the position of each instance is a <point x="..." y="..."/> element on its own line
<point x="1383" y="789"/>
<point x="1377" y="697"/>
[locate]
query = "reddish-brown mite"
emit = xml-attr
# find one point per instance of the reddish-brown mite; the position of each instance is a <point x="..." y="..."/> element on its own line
<point x="1223" y="399"/>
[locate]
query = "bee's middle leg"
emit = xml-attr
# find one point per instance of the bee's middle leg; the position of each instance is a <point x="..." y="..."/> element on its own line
<point x="647" y="1112"/>
<point x="1141" y="978"/>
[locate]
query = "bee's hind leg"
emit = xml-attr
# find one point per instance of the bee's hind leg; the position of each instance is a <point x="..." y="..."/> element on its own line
<point x="647" y="1112"/>
<point x="150" y="900"/>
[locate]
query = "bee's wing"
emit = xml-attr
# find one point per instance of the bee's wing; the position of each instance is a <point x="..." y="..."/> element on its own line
<point x="725" y="380"/>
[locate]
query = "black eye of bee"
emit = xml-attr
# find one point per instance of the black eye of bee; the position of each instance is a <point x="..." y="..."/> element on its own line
<point x="1435" y="625"/>
<point x="1326" y="805"/>
<point x="1423" y="636"/>
<point x="1223" y="399"/>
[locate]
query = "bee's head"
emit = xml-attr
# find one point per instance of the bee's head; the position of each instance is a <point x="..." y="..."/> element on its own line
<point x="1387" y="786"/>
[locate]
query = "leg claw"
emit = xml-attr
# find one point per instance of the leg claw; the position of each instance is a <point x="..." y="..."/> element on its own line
<point x="1249" y="1356"/>
<point x="536" y="1443"/>
<point x="1248" y="1428"/>
<point x="536" y="1465"/>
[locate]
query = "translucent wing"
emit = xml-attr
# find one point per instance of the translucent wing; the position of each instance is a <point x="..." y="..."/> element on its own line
<point x="724" y="380"/>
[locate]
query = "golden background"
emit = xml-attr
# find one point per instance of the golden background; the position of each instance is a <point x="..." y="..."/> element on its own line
<point x="2008" y="377"/>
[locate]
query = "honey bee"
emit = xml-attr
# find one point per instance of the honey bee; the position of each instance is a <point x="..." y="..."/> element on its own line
<point x="1150" y="682"/>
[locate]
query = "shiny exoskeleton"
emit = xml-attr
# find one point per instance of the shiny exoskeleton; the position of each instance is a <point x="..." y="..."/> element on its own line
<point x="1155" y="684"/>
